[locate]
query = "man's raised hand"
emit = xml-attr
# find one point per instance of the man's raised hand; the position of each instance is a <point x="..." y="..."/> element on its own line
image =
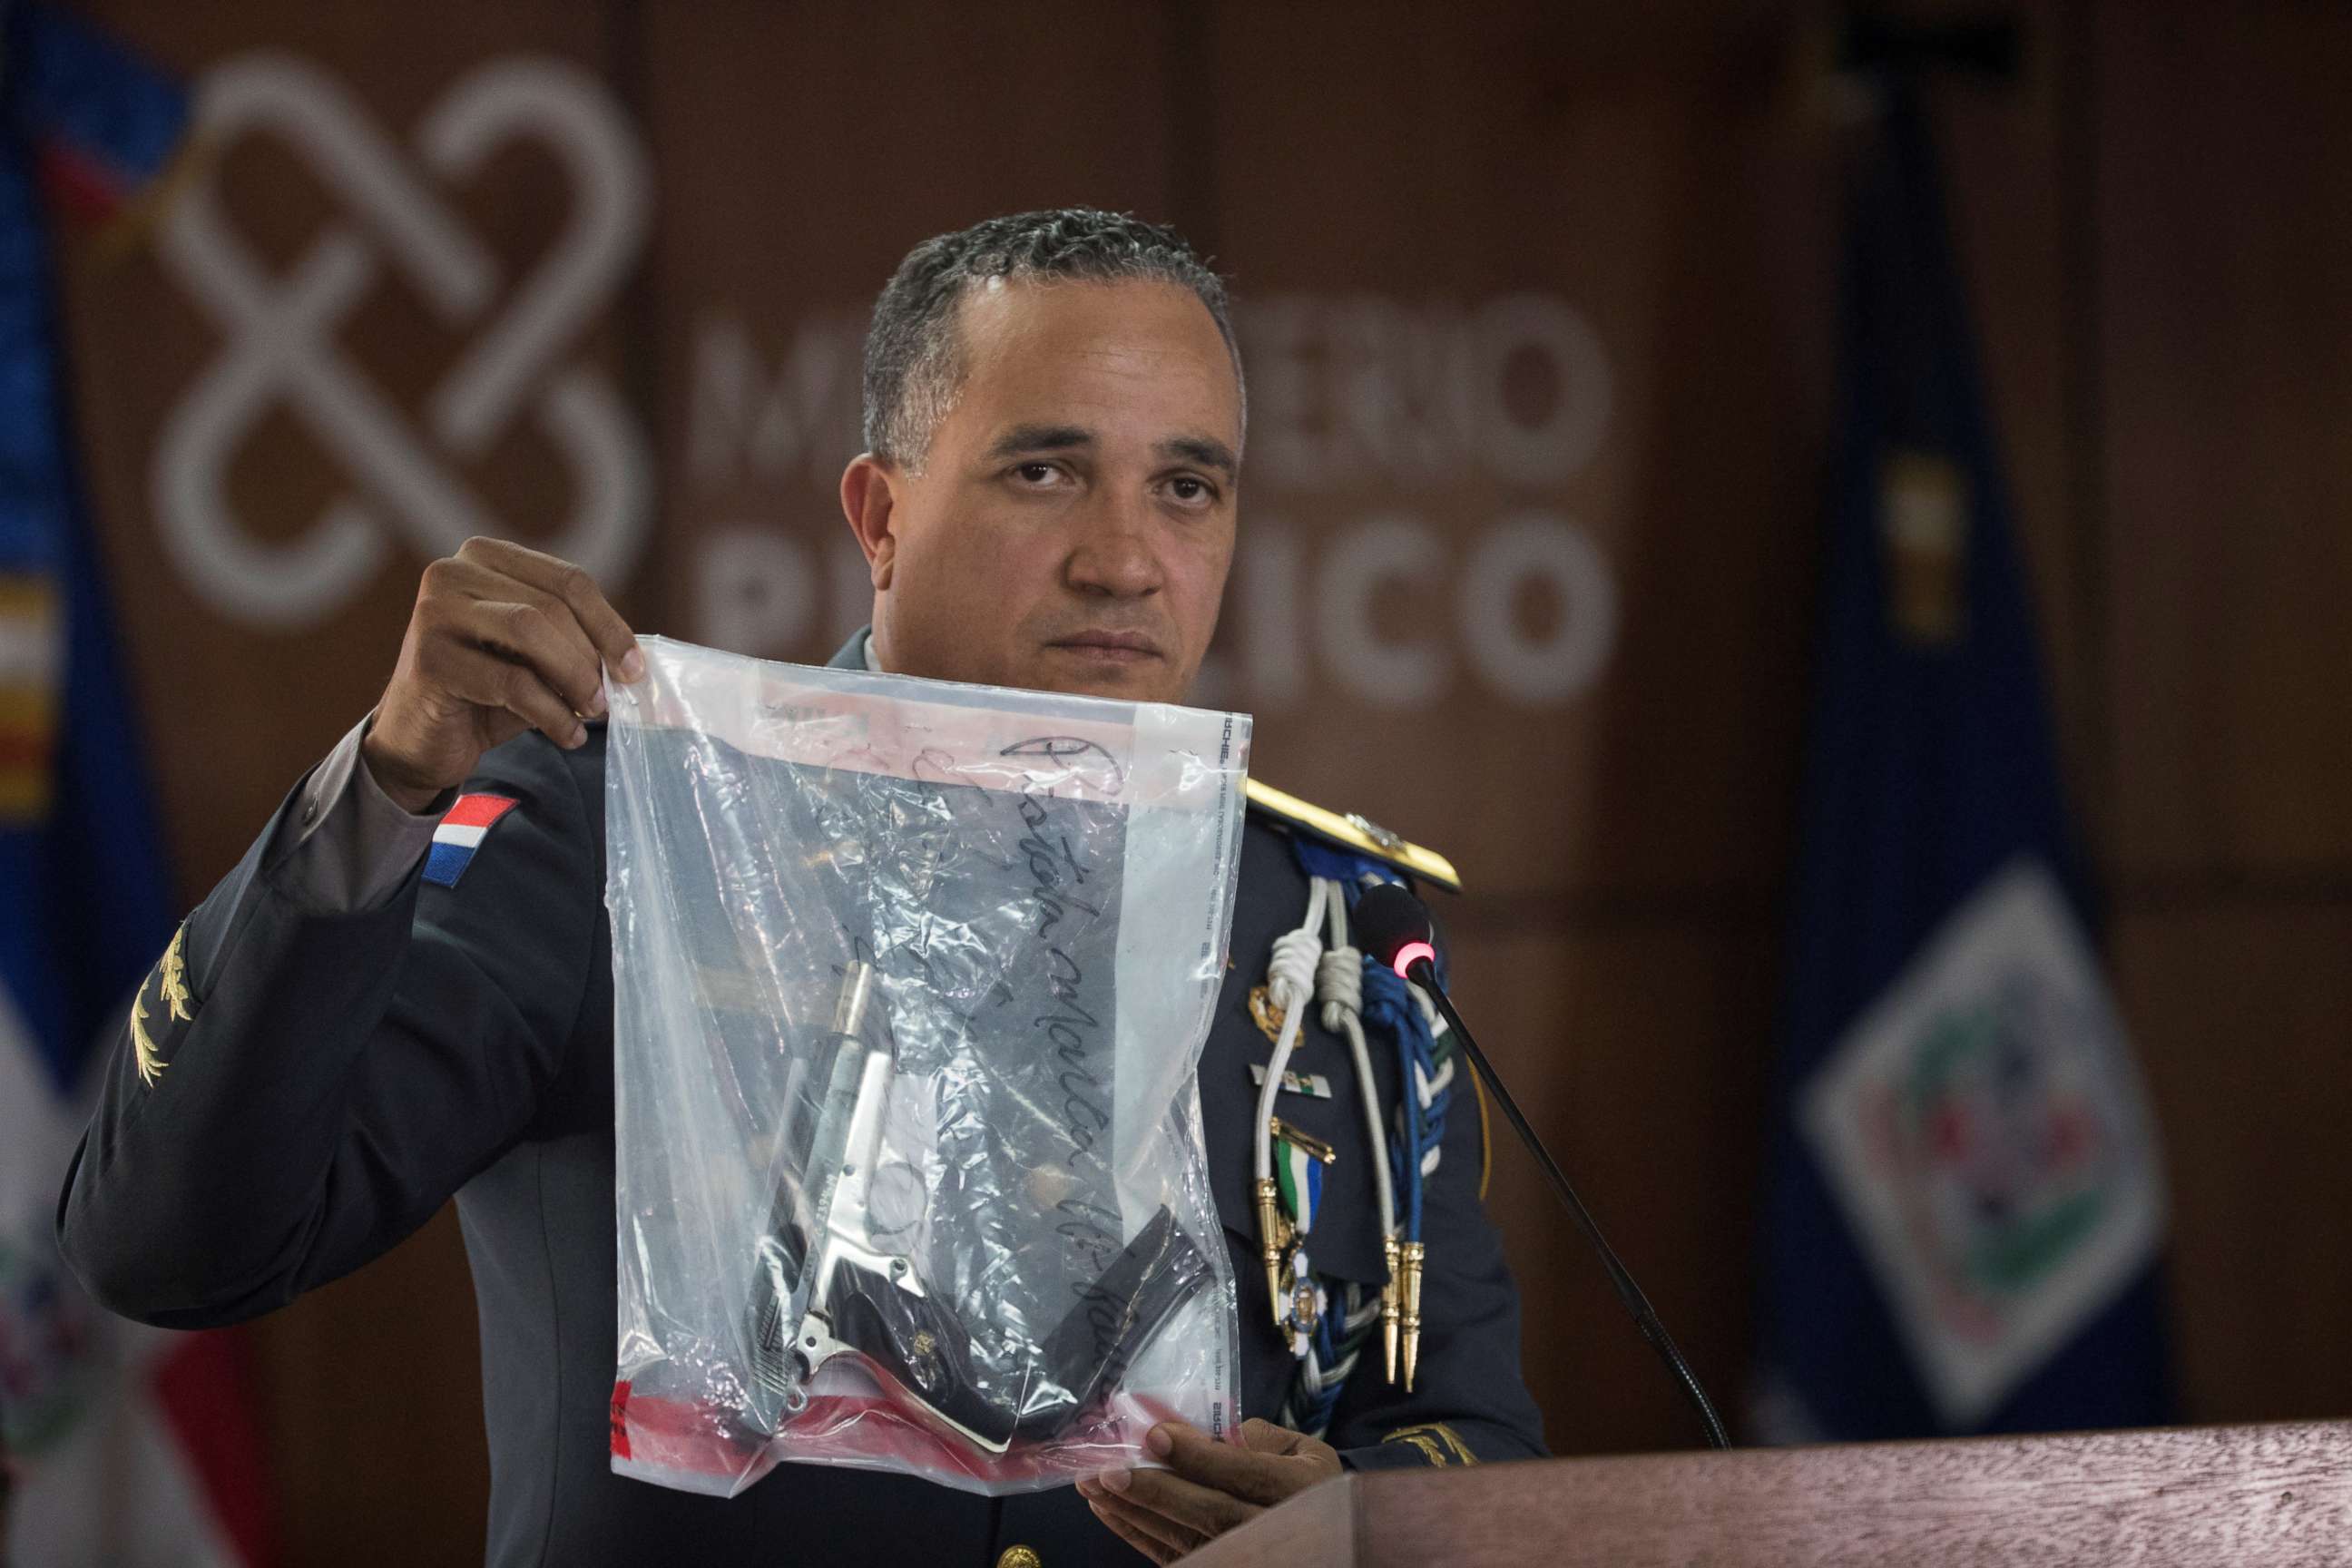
<point x="503" y="639"/>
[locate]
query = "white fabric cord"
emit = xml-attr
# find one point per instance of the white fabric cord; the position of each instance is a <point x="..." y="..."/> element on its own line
<point x="1290" y="985"/>
<point x="1339" y="986"/>
<point x="1362" y="1308"/>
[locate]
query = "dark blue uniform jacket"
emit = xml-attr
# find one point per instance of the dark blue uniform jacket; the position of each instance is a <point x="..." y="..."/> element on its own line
<point x="343" y="1074"/>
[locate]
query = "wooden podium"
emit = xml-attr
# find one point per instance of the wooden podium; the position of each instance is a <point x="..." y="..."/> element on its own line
<point x="2192" y="1497"/>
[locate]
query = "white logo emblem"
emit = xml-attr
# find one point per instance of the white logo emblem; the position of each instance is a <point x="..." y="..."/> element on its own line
<point x="1986" y="1133"/>
<point x="281" y="346"/>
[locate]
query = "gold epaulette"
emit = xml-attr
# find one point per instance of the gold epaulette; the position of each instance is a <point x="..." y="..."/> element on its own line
<point x="1353" y="832"/>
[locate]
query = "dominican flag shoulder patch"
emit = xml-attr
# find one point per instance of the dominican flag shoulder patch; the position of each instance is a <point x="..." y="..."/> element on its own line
<point x="461" y="832"/>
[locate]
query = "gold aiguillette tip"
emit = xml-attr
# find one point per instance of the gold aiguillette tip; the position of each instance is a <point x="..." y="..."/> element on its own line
<point x="1412" y="1258"/>
<point x="1271" y="1241"/>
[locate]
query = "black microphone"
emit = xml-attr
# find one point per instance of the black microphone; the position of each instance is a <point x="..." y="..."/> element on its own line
<point x="1394" y="927"/>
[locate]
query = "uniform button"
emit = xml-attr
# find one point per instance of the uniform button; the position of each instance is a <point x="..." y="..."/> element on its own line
<point x="309" y="811"/>
<point x="1020" y="1557"/>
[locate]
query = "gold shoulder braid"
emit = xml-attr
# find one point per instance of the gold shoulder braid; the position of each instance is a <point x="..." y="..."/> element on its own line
<point x="1439" y="1444"/>
<point x="171" y="989"/>
<point x="1354" y="833"/>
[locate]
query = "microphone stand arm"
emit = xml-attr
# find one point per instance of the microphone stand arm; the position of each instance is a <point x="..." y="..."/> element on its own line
<point x="1424" y="973"/>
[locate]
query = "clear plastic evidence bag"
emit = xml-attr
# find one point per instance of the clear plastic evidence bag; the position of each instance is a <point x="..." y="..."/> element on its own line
<point x="910" y="980"/>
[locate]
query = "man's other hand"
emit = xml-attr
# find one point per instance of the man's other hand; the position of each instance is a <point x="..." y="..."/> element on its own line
<point x="503" y="639"/>
<point x="1208" y="1487"/>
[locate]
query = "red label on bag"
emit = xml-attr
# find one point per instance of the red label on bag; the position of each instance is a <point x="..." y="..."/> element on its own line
<point x="621" y="1419"/>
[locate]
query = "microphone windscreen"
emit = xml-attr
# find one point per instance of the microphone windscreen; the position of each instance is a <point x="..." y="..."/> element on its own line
<point x="1387" y="919"/>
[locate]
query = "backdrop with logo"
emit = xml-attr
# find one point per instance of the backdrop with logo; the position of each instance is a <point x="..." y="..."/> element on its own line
<point x="1537" y="309"/>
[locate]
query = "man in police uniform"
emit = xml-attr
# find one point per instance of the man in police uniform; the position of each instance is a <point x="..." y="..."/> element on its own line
<point x="345" y="1034"/>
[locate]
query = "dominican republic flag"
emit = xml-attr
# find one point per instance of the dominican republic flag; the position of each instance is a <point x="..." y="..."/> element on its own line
<point x="1965" y="1211"/>
<point x="118" y="1446"/>
<point x="463" y="827"/>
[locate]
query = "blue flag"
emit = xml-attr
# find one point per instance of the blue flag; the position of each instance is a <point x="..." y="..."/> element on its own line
<point x="86" y="129"/>
<point x="83" y="875"/>
<point x="1964" y="1214"/>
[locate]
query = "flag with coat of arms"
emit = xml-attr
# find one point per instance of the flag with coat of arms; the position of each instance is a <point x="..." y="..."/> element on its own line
<point x="118" y="1446"/>
<point x="1964" y="1213"/>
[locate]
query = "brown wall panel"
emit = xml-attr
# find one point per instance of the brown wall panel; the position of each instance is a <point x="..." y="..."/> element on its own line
<point x="795" y="169"/>
<point x="1639" y="1053"/>
<point x="2225" y="241"/>
<point x="234" y="711"/>
<point x="2241" y="1014"/>
<point x="372" y="1397"/>
<point x="1457" y="167"/>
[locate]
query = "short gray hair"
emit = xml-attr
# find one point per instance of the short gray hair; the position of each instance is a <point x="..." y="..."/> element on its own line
<point x="914" y="364"/>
